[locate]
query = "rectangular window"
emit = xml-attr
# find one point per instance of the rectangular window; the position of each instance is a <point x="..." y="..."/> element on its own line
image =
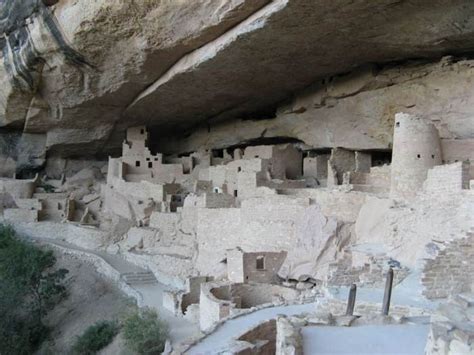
<point x="150" y="164"/>
<point x="137" y="163"/>
<point x="260" y="263"/>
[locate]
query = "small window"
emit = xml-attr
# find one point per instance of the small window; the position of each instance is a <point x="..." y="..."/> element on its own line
<point x="235" y="193"/>
<point x="216" y="190"/>
<point x="418" y="156"/>
<point x="239" y="169"/>
<point x="256" y="156"/>
<point x="432" y="156"/>
<point x="60" y="207"/>
<point x="147" y="159"/>
<point x="156" y="159"/>
<point x="142" y="131"/>
<point x="260" y="262"/>
<point x="137" y="163"/>
<point x="398" y="124"/>
<point x="150" y="164"/>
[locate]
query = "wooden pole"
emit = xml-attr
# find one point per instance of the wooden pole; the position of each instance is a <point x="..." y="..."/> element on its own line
<point x="388" y="292"/>
<point x="351" y="300"/>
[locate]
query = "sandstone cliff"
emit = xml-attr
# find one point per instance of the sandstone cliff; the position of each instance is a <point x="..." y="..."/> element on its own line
<point x="76" y="74"/>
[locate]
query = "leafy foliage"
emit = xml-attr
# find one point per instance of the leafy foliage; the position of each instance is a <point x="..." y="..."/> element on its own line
<point x="29" y="287"/>
<point x="145" y="333"/>
<point x="95" y="338"/>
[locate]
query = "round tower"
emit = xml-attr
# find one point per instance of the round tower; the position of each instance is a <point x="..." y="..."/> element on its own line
<point x="416" y="149"/>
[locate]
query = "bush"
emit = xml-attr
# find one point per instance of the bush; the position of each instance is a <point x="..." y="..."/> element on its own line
<point x="29" y="287"/>
<point x="95" y="338"/>
<point x="145" y="332"/>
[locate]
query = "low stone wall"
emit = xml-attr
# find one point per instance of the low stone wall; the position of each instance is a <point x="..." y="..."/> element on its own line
<point x="219" y="300"/>
<point x="168" y="269"/>
<point x="450" y="178"/>
<point x="262" y="338"/>
<point x="363" y="308"/>
<point x="82" y="236"/>
<point x="371" y="274"/>
<point x="19" y="215"/>
<point x="288" y="338"/>
<point x="452" y="331"/>
<point x="451" y="271"/>
<point x="378" y="180"/>
<point x="103" y="268"/>
<point x="18" y="188"/>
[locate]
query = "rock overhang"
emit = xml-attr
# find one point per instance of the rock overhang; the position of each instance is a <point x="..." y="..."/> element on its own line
<point x="190" y="64"/>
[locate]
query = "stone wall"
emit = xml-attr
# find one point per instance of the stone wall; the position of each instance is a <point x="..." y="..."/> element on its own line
<point x="263" y="336"/>
<point x="254" y="267"/>
<point x="451" y="271"/>
<point x="340" y="162"/>
<point x="371" y="274"/>
<point x="14" y="215"/>
<point x="316" y="166"/>
<point x="445" y="179"/>
<point x="416" y="149"/>
<point x="271" y="223"/>
<point x="18" y="188"/>
<point x="219" y="300"/>
<point x="288" y="337"/>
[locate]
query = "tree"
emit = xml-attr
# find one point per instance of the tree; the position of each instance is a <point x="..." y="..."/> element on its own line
<point x="145" y="333"/>
<point x="29" y="287"/>
<point x="95" y="338"/>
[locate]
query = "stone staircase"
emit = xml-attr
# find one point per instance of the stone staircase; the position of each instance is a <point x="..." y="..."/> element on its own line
<point x="139" y="278"/>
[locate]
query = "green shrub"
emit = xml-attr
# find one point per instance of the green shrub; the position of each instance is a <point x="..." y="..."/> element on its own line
<point x="29" y="287"/>
<point x="95" y="338"/>
<point x="145" y="332"/>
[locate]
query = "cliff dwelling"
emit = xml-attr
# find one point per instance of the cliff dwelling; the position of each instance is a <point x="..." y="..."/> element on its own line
<point x="268" y="176"/>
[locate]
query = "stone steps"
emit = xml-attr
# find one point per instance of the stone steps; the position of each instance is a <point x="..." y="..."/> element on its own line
<point x="135" y="278"/>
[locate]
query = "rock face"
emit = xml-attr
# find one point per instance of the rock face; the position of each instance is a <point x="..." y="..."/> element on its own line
<point x="356" y="110"/>
<point x="80" y="73"/>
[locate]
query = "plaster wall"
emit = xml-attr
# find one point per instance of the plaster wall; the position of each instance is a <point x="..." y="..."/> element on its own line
<point x="29" y="203"/>
<point x="363" y="162"/>
<point x="340" y="162"/>
<point x="242" y="267"/>
<point x="13" y="215"/>
<point x="18" y="188"/>
<point x="316" y="167"/>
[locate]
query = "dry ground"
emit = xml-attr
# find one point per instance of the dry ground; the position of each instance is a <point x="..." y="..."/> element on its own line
<point x="91" y="298"/>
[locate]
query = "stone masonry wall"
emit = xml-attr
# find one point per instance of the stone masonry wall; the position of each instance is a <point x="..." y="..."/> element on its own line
<point x="266" y="332"/>
<point x="448" y="178"/>
<point x="451" y="271"/>
<point x="371" y="274"/>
